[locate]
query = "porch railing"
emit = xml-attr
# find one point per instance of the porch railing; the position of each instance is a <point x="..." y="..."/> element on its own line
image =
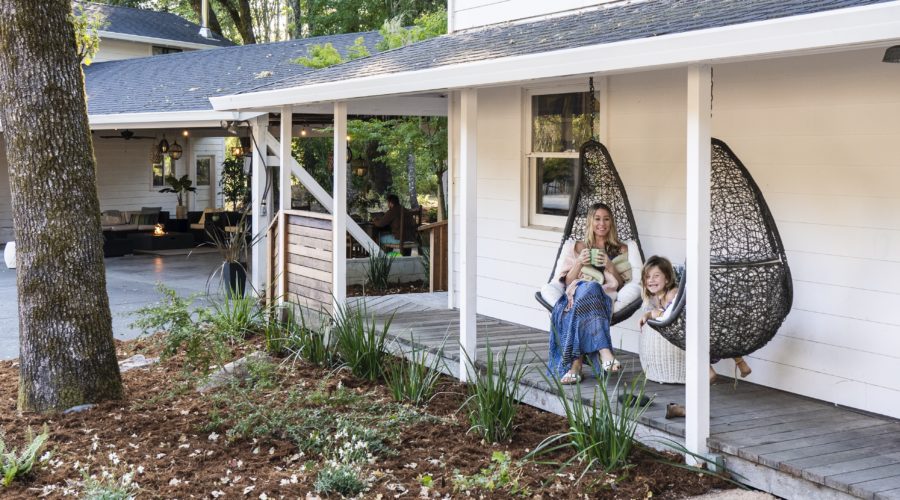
<point x="304" y="238"/>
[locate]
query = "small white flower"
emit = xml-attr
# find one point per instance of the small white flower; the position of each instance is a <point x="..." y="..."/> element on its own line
<point x="45" y="457"/>
<point x="216" y="493"/>
<point x="263" y="496"/>
<point x="213" y="437"/>
<point x="140" y="469"/>
<point x="174" y="481"/>
<point x="114" y="458"/>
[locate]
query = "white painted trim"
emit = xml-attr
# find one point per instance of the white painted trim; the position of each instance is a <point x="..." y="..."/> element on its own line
<point x="167" y="42"/>
<point x="259" y="219"/>
<point x="696" y="428"/>
<point x="177" y="119"/>
<point x="323" y="197"/>
<point x="284" y="194"/>
<point x="339" y="224"/>
<point x="825" y="31"/>
<point x="468" y="183"/>
<point x="453" y="166"/>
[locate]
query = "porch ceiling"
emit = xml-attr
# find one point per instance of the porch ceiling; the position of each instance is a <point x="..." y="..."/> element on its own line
<point x="620" y="37"/>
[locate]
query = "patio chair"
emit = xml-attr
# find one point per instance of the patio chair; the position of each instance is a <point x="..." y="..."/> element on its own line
<point x="598" y="181"/>
<point x="750" y="282"/>
<point x="408" y="241"/>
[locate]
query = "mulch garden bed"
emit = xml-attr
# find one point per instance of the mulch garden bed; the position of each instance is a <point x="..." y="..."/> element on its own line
<point x="179" y="444"/>
<point x="394" y="289"/>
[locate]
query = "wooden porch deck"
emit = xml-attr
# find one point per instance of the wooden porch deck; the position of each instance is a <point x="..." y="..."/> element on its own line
<point x="788" y="445"/>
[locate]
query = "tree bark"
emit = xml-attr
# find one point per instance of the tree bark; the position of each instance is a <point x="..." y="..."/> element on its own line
<point x="67" y="355"/>
<point x="241" y="18"/>
<point x="197" y="7"/>
<point x="296" y="18"/>
<point x="442" y="200"/>
<point x="411" y="179"/>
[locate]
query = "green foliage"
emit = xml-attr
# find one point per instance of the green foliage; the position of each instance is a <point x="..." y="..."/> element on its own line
<point x="234" y="183"/>
<point x="358" y="49"/>
<point x="108" y="488"/>
<point x="500" y="474"/>
<point x="87" y="24"/>
<point x="412" y="378"/>
<point x="179" y="186"/>
<point x="15" y="464"/>
<point x="237" y="317"/>
<point x="328" y="17"/>
<point x="202" y="344"/>
<point x="304" y="342"/>
<point x="339" y="478"/>
<point x="428" y="25"/>
<point x="494" y="394"/>
<point x="320" y="56"/>
<point x="359" y="342"/>
<point x="378" y="272"/>
<point x="601" y="434"/>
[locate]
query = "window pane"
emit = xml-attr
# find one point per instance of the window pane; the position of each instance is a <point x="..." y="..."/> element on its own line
<point x="158" y="180"/>
<point x="555" y="184"/>
<point x="560" y="122"/>
<point x="203" y="167"/>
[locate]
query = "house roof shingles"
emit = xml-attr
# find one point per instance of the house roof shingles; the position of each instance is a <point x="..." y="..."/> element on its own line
<point x="615" y="22"/>
<point x="185" y="81"/>
<point x="148" y="23"/>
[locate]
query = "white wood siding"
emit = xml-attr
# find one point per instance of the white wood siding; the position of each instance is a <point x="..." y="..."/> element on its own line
<point x="475" y="13"/>
<point x="818" y="134"/>
<point x="208" y="196"/>
<point x="111" y="50"/>
<point x="123" y="175"/>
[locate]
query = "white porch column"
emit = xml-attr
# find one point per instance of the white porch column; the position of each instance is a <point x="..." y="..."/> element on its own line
<point x="191" y="169"/>
<point x="260" y="206"/>
<point x="696" y="430"/>
<point x="452" y="190"/>
<point x="339" y="214"/>
<point x="468" y="121"/>
<point x="284" y="193"/>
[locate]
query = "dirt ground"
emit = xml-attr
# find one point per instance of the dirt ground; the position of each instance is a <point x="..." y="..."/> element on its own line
<point x="175" y="443"/>
<point x="397" y="288"/>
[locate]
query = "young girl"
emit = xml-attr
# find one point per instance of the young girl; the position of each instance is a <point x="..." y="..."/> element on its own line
<point x="659" y="288"/>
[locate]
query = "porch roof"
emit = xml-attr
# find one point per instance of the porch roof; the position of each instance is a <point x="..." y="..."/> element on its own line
<point x="614" y="37"/>
<point x="184" y="82"/>
<point x="165" y="28"/>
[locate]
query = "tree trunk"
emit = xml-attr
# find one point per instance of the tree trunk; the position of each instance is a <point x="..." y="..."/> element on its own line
<point x="411" y="179"/>
<point x="241" y="18"/>
<point x="442" y="200"/>
<point x="296" y="18"/>
<point x="197" y="7"/>
<point x="67" y="356"/>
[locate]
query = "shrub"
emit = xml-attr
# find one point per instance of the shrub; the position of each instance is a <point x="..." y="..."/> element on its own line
<point x="237" y="317"/>
<point x="171" y="314"/>
<point x="500" y="474"/>
<point x="359" y="342"/>
<point x="108" y="488"/>
<point x="339" y="478"/>
<point x="494" y="395"/>
<point x="315" y="346"/>
<point x="413" y="378"/>
<point x="378" y="272"/>
<point x="601" y="434"/>
<point x="15" y="464"/>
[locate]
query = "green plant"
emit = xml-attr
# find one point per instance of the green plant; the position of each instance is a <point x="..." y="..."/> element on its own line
<point x="179" y="186"/>
<point x="313" y="345"/>
<point x="14" y="464"/>
<point x="500" y="474"/>
<point x="601" y="434"/>
<point x="494" y="394"/>
<point x="108" y="488"/>
<point x="237" y="317"/>
<point x="339" y="478"/>
<point x="359" y="342"/>
<point x="234" y="183"/>
<point x="412" y="378"/>
<point x="171" y="314"/>
<point x="378" y="272"/>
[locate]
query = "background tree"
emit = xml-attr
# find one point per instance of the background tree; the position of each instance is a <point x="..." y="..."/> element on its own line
<point x="67" y="356"/>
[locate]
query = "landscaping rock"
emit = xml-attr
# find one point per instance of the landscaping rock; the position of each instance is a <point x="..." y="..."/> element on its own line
<point x="136" y="361"/>
<point x="79" y="408"/>
<point x="234" y="370"/>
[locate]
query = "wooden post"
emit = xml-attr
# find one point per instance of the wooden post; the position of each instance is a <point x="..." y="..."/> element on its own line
<point x="339" y="226"/>
<point x="468" y="119"/>
<point x="260" y="218"/>
<point x="284" y="197"/>
<point x="699" y="81"/>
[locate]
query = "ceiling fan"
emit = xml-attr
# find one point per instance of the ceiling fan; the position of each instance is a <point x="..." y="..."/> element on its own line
<point x="127" y="135"/>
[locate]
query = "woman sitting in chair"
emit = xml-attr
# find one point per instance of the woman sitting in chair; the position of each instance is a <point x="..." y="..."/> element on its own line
<point x="401" y="223"/>
<point x="580" y="319"/>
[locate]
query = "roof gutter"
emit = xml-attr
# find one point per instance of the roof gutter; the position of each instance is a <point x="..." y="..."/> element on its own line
<point x="824" y="31"/>
<point x="156" y="41"/>
<point x="204" y="118"/>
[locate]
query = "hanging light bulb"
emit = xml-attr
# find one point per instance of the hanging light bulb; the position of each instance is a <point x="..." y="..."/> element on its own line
<point x="175" y="151"/>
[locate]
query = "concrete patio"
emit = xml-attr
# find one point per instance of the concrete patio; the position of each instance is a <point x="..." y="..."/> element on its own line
<point x="131" y="284"/>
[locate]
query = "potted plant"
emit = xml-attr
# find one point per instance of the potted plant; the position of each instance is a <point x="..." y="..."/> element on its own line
<point x="232" y="244"/>
<point x="179" y="186"/>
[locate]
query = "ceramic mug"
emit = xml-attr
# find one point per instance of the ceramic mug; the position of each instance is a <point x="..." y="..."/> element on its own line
<point x="596" y="259"/>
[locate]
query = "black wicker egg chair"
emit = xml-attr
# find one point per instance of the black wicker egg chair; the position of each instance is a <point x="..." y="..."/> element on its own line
<point x="750" y="282"/>
<point x="598" y="181"/>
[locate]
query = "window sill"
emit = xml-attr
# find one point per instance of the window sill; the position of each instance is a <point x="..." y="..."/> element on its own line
<point x="541" y="233"/>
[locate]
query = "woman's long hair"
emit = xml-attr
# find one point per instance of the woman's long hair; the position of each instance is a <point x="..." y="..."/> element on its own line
<point x="665" y="266"/>
<point x="612" y="245"/>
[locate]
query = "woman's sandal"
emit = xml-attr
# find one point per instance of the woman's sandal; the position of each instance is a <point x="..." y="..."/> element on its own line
<point x="742" y="367"/>
<point x="612" y="366"/>
<point x="570" y="378"/>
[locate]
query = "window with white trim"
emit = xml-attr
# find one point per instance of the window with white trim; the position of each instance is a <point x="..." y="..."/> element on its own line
<point x="558" y="124"/>
<point x="159" y="171"/>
